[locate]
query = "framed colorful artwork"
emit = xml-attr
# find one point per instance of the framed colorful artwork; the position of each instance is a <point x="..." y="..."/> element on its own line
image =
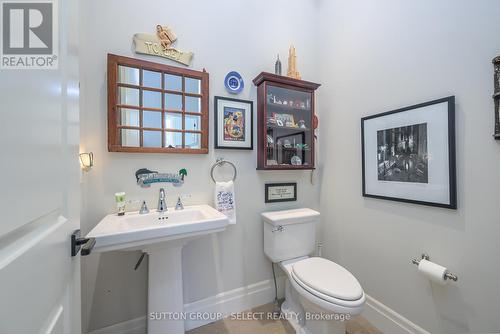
<point x="233" y="123"/>
<point x="408" y="154"/>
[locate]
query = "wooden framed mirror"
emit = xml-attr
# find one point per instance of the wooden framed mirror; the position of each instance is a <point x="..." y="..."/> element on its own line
<point x="156" y="108"/>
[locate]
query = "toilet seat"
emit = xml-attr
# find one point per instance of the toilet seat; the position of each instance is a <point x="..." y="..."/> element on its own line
<point x="328" y="281"/>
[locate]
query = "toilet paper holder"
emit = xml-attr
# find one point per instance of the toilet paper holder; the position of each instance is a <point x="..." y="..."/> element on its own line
<point x="447" y="275"/>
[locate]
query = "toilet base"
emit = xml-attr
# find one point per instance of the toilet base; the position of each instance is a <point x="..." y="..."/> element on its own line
<point x="314" y="326"/>
<point x="293" y="310"/>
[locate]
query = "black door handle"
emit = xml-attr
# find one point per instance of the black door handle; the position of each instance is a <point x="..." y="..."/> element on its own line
<point x="77" y="243"/>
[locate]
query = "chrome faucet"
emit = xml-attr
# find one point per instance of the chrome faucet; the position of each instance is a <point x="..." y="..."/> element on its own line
<point x="144" y="208"/>
<point x="162" y="201"/>
<point x="179" y="205"/>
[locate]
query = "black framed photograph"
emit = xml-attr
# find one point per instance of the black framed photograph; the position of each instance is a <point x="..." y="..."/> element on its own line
<point x="408" y="154"/>
<point x="233" y="123"/>
<point x="280" y="192"/>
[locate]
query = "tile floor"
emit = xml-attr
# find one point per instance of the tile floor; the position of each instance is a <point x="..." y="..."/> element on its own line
<point x="358" y="325"/>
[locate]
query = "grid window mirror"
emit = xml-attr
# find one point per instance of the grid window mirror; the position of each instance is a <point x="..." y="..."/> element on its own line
<point x="156" y="108"/>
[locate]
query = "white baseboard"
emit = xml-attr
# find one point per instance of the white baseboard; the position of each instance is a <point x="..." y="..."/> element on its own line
<point x="225" y="303"/>
<point x="237" y="300"/>
<point x="387" y="320"/>
<point x="134" y="326"/>
<point x="253" y="295"/>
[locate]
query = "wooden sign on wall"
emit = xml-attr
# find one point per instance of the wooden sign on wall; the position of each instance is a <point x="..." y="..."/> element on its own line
<point x="161" y="45"/>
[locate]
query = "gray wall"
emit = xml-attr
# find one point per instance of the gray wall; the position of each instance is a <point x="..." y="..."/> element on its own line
<point x="224" y="35"/>
<point x="382" y="55"/>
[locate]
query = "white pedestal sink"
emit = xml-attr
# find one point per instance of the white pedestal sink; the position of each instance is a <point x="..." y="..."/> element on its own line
<point x="162" y="237"/>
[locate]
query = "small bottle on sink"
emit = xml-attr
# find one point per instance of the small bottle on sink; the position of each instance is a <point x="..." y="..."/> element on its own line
<point x="120" y="203"/>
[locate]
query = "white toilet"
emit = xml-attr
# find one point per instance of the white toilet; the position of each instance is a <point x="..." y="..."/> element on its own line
<point x="319" y="294"/>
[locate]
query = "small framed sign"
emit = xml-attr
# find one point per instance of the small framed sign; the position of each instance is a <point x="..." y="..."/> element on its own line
<point x="281" y="192"/>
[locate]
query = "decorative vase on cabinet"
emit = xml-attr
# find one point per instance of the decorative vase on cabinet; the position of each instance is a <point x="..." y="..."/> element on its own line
<point x="286" y="122"/>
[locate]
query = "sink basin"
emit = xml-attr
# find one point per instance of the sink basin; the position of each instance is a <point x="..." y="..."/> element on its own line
<point x="135" y="231"/>
<point x="162" y="236"/>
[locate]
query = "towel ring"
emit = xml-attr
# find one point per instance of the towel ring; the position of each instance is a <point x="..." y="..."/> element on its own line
<point x="221" y="162"/>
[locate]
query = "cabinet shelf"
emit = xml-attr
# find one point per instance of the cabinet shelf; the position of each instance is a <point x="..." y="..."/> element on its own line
<point x="272" y="155"/>
<point x="287" y="148"/>
<point x="289" y="128"/>
<point x="282" y="107"/>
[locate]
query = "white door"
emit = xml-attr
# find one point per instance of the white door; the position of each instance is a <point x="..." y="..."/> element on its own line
<point x="39" y="191"/>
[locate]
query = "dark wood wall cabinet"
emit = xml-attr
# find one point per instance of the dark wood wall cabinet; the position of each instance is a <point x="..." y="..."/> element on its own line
<point x="286" y="122"/>
<point x="156" y="108"/>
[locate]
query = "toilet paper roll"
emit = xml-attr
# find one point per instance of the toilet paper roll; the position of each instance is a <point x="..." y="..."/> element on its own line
<point x="433" y="271"/>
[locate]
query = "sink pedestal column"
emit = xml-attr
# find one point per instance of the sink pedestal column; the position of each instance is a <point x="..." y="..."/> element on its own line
<point x="165" y="295"/>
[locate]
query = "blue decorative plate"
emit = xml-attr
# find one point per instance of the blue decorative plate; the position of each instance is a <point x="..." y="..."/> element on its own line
<point x="234" y="82"/>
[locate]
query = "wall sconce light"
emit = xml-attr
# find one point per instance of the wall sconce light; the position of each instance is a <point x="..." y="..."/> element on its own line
<point x="87" y="161"/>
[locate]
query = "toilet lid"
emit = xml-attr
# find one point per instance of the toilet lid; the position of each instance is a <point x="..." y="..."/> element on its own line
<point x="328" y="278"/>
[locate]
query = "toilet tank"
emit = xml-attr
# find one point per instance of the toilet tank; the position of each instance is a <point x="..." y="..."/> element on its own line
<point x="289" y="234"/>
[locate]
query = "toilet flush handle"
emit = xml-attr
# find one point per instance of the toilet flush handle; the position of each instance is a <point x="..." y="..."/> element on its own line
<point x="278" y="228"/>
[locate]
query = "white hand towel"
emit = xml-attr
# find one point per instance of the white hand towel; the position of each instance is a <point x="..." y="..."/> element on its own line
<point x="224" y="200"/>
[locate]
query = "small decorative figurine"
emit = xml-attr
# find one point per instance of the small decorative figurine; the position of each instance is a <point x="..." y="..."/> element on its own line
<point x="270" y="140"/>
<point x="302" y="124"/>
<point x="277" y="66"/>
<point x="292" y="64"/>
<point x="296" y="160"/>
<point x="165" y="35"/>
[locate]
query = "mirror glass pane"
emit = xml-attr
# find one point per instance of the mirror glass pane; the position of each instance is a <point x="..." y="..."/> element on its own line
<point x="173" y="82"/>
<point x="193" y="140"/>
<point x="129" y="117"/>
<point x="130" y="138"/>
<point x="128" y="75"/>
<point x="151" y="79"/>
<point x="128" y="96"/>
<point x="173" y="139"/>
<point x="192" y="85"/>
<point x="151" y="99"/>
<point x="173" y="102"/>
<point x="193" y="122"/>
<point x="151" y="139"/>
<point x="151" y="119"/>
<point x="193" y="104"/>
<point x="173" y="121"/>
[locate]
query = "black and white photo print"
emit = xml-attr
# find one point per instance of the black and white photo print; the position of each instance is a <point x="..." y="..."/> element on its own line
<point x="409" y="154"/>
<point x="402" y="154"/>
